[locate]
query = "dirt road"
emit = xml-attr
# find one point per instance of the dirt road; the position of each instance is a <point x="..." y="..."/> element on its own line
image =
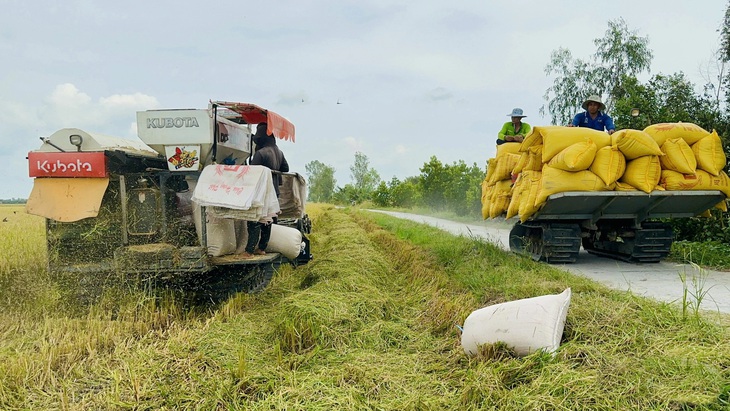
<point x="661" y="281"/>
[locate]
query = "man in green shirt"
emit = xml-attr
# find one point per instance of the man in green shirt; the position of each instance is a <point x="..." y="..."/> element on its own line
<point x="515" y="130"/>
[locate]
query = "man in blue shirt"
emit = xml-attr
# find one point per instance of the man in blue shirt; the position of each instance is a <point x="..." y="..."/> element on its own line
<point x="594" y="117"/>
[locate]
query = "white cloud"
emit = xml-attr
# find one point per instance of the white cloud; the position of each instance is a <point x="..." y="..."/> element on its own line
<point x="416" y="80"/>
<point x="67" y="95"/>
<point x="354" y="144"/>
<point x="136" y="101"/>
<point x="67" y="106"/>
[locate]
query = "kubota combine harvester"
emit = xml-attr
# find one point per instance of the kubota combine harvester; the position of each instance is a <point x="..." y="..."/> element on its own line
<point x="117" y="208"/>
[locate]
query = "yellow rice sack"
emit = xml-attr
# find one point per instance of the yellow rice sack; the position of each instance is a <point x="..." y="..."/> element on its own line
<point x="609" y="164"/>
<point x="689" y="132"/>
<point x="709" y="154"/>
<point x="500" y="198"/>
<point x="499" y="205"/>
<point x="534" y="160"/>
<point x="486" y="199"/>
<point x="557" y="181"/>
<point x="502" y="187"/>
<point x="491" y="167"/>
<point x="485" y="211"/>
<point x="485" y="186"/>
<point x="635" y="143"/>
<point x="708" y="181"/>
<point x="533" y="138"/>
<point x="619" y="186"/>
<point x="514" y="202"/>
<point x="576" y="157"/>
<point x="643" y="173"/>
<point x="521" y="163"/>
<point x="503" y="168"/>
<point x="528" y="207"/>
<point x="509" y="147"/>
<point x="678" y="156"/>
<point x="675" y="181"/>
<point x="556" y="138"/>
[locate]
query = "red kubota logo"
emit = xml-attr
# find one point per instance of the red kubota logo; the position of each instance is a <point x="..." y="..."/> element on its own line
<point x="67" y="164"/>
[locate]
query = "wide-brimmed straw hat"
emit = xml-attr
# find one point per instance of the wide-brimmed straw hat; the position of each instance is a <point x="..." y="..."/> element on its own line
<point x="596" y="99"/>
<point x="516" y="112"/>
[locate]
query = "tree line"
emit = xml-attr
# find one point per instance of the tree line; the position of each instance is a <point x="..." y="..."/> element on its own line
<point x="452" y="187"/>
<point x="12" y="200"/>
<point x="621" y="56"/>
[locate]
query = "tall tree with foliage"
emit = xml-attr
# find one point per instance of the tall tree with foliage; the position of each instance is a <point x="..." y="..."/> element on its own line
<point x="365" y="179"/>
<point x="405" y="193"/>
<point x="620" y="54"/>
<point x="321" y="181"/>
<point x="454" y="187"/>
<point x="724" y="52"/>
<point x="434" y="184"/>
<point x="664" y="99"/>
<point x="398" y="193"/>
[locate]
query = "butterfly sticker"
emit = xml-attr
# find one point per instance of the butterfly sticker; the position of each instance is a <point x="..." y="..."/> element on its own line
<point x="183" y="158"/>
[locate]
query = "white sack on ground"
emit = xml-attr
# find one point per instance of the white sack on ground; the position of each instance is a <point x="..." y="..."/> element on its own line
<point x="526" y="325"/>
<point x="285" y="240"/>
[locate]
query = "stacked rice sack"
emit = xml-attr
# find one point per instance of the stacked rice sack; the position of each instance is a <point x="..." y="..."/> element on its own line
<point x="554" y="159"/>
<point x="694" y="158"/>
<point x="497" y="185"/>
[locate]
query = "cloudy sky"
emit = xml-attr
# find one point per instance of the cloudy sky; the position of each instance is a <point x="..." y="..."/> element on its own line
<point x="414" y="79"/>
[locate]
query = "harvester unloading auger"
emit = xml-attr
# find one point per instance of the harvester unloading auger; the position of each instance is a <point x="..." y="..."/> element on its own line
<point x="117" y="208"/>
<point x="611" y="194"/>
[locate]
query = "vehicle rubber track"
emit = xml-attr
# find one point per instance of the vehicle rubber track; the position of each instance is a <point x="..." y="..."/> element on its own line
<point x="554" y="243"/>
<point x="650" y="244"/>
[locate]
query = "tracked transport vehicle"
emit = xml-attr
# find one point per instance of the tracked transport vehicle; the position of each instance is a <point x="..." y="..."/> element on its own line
<point x="624" y="225"/>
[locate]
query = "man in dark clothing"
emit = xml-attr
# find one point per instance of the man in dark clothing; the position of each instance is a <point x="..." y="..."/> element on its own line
<point x="267" y="154"/>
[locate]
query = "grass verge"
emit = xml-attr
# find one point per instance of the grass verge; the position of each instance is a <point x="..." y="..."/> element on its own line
<point x="370" y="323"/>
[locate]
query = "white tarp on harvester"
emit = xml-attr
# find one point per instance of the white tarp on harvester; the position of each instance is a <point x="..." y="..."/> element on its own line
<point x="94" y="142"/>
<point x="238" y="192"/>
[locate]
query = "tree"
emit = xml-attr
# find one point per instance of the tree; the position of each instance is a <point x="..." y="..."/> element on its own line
<point x="725" y="36"/>
<point x="619" y="55"/>
<point x="664" y="99"/>
<point x="398" y="193"/>
<point x="455" y="187"/>
<point x="724" y="59"/>
<point x="321" y="181"/>
<point x="347" y="195"/>
<point x="382" y="195"/>
<point x="405" y="193"/>
<point x="365" y="179"/>
<point x="434" y="184"/>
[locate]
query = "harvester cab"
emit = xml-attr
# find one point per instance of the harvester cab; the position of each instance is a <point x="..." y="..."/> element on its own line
<point x="171" y="208"/>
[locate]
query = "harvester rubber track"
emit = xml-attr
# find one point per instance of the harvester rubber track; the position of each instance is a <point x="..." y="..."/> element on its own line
<point x="226" y="281"/>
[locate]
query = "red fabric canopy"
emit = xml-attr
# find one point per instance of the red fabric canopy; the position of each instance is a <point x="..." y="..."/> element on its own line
<point x="253" y="114"/>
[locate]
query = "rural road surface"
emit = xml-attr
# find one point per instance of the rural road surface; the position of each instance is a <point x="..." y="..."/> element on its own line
<point x="660" y="281"/>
